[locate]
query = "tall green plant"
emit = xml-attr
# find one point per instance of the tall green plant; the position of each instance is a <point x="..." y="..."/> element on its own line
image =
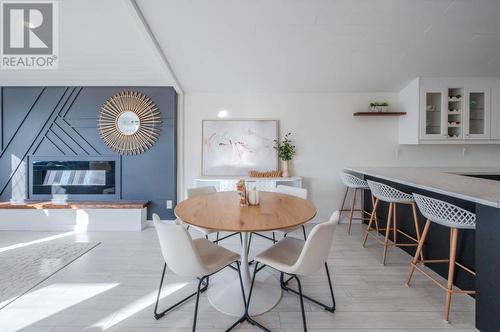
<point x="285" y="148"/>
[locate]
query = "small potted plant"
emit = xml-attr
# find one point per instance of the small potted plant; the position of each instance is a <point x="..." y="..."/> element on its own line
<point x="286" y="151"/>
<point x="379" y="107"/>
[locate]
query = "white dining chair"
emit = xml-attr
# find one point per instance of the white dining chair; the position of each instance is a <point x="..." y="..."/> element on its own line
<point x="293" y="191"/>
<point x="297" y="192"/>
<point x="198" y="258"/>
<point x="296" y="257"/>
<point x="198" y="191"/>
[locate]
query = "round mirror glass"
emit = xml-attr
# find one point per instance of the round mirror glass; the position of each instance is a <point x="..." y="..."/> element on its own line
<point x="128" y="123"/>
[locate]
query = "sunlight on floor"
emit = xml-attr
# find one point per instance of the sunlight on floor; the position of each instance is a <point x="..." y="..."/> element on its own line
<point x="136" y="306"/>
<point x="45" y="239"/>
<point x="47" y="301"/>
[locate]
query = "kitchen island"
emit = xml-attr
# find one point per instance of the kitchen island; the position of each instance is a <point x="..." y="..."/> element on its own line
<point x="476" y="189"/>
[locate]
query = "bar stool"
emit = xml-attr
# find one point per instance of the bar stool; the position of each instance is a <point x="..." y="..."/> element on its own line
<point x="353" y="182"/>
<point x="385" y="193"/>
<point x="450" y="216"/>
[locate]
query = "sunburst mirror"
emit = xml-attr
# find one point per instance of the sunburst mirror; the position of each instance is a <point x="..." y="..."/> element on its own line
<point x="129" y="123"/>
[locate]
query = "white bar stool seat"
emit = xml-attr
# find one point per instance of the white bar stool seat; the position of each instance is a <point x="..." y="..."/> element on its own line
<point x="455" y="218"/>
<point x="393" y="196"/>
<point x="354" y="183"/>
<point x="389" y="194"/>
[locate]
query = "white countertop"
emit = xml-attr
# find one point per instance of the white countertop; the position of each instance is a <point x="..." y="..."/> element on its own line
<point x="446" y="181"/>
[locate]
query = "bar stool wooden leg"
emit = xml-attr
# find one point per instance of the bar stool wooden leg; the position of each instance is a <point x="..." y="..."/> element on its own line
<point x="372" y="217"/>
<point x="352" y="211"/>
<point x="394" y="225"/>
<point x="374" y="208"/>
<point x="417" y="229"/>
<point x="387" y="230"/>
<point x="343" y="202"/>
<point x="451" y="271"/>
<point x="362" y="204"/>
<point x="419" y="251"/>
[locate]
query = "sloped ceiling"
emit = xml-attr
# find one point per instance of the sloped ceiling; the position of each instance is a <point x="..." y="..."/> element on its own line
<point x="323" y="45"/>
<point x="101" y="43"/>
<point x="272" y="45"/>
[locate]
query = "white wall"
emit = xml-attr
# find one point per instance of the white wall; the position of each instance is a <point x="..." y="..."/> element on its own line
<point x="327" y="136"/>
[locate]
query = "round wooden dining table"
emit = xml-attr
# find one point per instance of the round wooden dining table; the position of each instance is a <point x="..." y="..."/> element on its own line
<point x="222" y="212"/>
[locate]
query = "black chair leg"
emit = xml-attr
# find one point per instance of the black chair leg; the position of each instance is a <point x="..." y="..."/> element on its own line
<point x="251" y="287"/>
<point x="219" y="238"/>
<point x="332" y="308"/>
<point x="304" y="231"/>
<point x="246" y="316"/>
<point x="159" y="315"/>
<point x="249" y="242"/>
<point x="274" y="238"/>
<point x="197" y="301"/>
<point x="302" y="304"/>
<point x="284" y="286"/>
<point x="206" y="236"/>
<point x="241" y="239"/>
<point x="241" y="284"/>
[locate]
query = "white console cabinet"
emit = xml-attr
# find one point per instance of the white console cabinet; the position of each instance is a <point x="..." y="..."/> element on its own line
<point x="450" y="110"/>
<point x="263" y="184"/>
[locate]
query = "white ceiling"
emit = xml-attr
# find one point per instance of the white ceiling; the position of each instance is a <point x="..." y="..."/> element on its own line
<point x="323" y="45"/>
<point x="100" y="43"/>
<point x="272" y="45"/>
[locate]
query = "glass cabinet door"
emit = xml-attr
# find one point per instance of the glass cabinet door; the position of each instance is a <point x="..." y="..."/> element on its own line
<point x="432" y="126"/>
<point x="478" y="114"/>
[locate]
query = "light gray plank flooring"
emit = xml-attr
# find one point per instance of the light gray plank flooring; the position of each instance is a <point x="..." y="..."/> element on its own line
<point x="113" y="287"/>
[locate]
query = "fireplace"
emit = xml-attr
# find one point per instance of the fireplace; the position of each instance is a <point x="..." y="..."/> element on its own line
<point x="89" y="178"/>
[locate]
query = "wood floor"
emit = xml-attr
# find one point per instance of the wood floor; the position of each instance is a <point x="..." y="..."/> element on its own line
<point x="113" y="287"/>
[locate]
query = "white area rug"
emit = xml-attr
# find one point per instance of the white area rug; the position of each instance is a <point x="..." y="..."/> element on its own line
<point x="23" y="268"/>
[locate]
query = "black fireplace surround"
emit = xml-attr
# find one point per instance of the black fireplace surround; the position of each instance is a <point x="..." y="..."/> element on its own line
<point x="80" y="178"/>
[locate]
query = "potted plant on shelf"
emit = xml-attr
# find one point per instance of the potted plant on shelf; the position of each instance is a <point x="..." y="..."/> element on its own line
<point x="286" y="151"/>
<point x="379" y="107"/>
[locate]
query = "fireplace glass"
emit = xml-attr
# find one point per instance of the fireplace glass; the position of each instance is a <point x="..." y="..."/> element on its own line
<point x="74" y="177"/>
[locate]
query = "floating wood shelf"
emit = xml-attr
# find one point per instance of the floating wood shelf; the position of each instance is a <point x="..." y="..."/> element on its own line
<point x="379" y="113"/>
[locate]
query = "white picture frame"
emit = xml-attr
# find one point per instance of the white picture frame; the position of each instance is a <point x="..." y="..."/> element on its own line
<point x="233" y="147"/>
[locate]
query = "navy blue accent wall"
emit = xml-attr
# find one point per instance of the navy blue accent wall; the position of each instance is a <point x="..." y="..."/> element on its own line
<point x="62" y="121"/>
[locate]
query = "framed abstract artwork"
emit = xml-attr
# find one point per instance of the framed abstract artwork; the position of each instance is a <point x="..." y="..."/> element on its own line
<point x="234" y="147"/>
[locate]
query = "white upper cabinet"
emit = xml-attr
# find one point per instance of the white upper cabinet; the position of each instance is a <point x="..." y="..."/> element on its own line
<point x="451" y="110"/>
<point x="478" y="114"/>
<point x="432" y="114"/>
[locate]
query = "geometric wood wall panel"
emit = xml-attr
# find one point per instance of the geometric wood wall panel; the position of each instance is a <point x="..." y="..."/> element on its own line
<point x="63" y="121"/>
